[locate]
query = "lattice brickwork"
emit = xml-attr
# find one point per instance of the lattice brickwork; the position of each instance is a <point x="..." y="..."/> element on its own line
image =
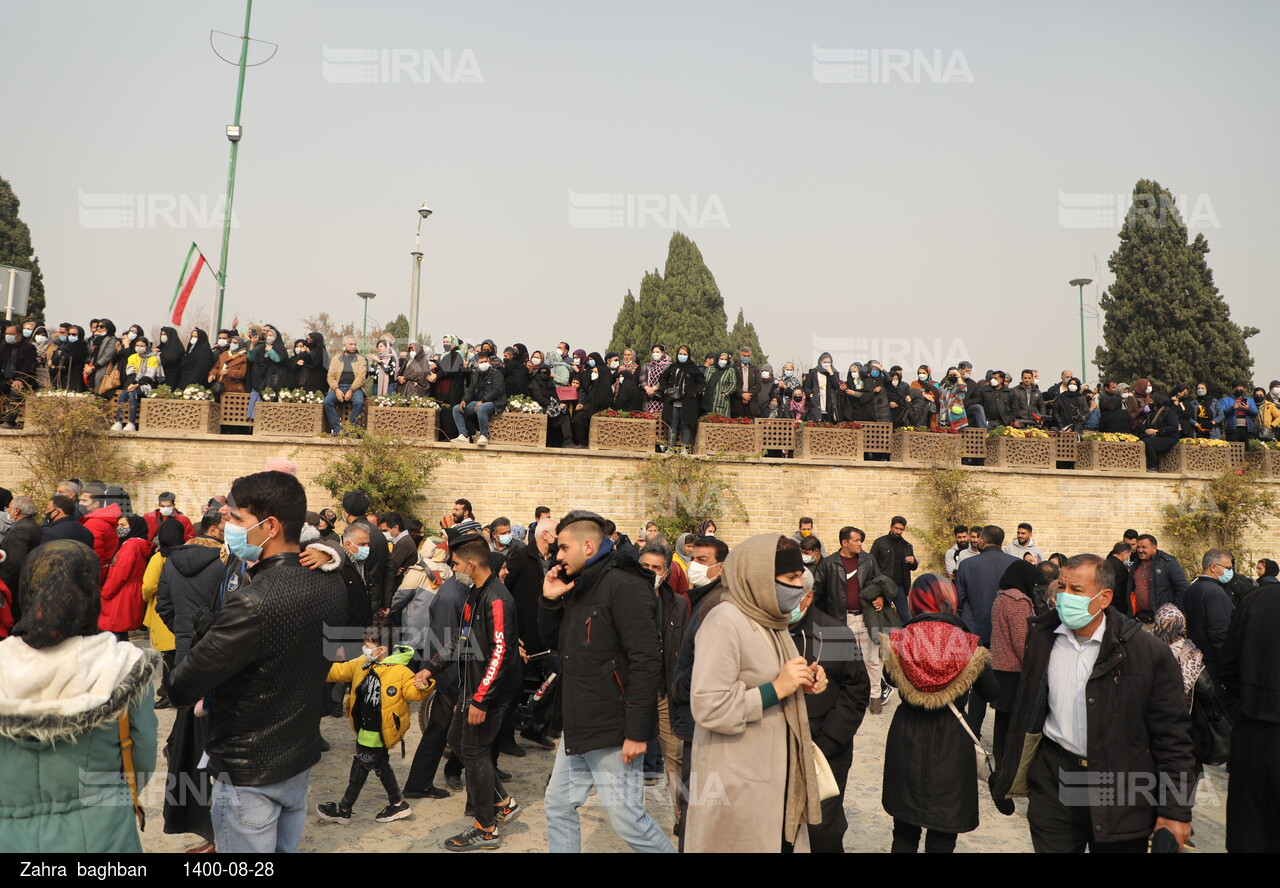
<point x="299" y="420"/>
<point x="1237" y="454"/>
<point x="1111" y="456"/>
<point x="877" y="437"/>
<point x="1065" y="446"/>
<point x="973" y="443"/>
<point x="819" y="443"/>
<point x="613" y="433"/>
<point x="926" y="448"/>
<point x="1023" y="453"/>
<point x="714" y="437"/>
<point x="1265" y="461"/>
<point x="528" y="429"/>
<point x="162" y="415"/>
<point x="416" y="423"/>
<point x="235" y="409"/>
<point x="1195" y="460"/>
<point x="777" y="434"/>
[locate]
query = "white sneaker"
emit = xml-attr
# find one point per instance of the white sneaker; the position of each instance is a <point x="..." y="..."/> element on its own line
<point x="130" y="427"/>
<point x="462" y="439"/>
<point x="482" y="440"/>
<point x="117" y="427"/>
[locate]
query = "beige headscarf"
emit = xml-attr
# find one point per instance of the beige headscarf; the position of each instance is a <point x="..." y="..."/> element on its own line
<point x="749" y="578"/>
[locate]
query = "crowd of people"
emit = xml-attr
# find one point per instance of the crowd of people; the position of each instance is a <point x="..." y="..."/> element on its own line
<point x="738" y="676"/>
<point x="572" y="385"/>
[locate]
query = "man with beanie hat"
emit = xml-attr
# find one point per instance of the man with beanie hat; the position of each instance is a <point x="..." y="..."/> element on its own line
<point x="355" y="506"/>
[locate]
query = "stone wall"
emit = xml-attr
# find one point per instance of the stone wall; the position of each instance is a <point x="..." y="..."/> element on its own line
<point x="1071" y="511"/>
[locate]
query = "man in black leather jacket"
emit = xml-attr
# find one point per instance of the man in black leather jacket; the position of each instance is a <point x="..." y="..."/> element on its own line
<point x="263" y="661"/>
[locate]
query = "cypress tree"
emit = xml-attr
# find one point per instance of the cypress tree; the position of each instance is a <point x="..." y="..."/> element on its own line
<point x="744" y="334"/>
<point x="624" y="325"/>
<point x="1165" y="319"/>
<point x="691" y="307"/>
<point x="16" y="251"/>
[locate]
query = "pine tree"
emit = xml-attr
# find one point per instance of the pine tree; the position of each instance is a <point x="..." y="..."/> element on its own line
<point x="1165" y="319"/>
<point x="399" y="330"/>
<point x="744" y="334"/>
<point x="691" y="307"/>
<point x="647" y="316"/>
<point x="624" y="326"/>
<point x="16" y="251"/>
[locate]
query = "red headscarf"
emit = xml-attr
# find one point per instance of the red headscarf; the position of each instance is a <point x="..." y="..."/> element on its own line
<point x="932" y="594"/>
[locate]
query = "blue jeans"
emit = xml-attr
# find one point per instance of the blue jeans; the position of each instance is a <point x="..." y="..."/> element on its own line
<point x="900" y="602"/>
<point x="331" y="407"/>
<point x="621" y="791"/>
<point x="977" y="415"/>
<point x="681" y="424"/>
<point x="481" y="410"/>
<point x="260" y="819"/>
<point x="254" y="398"/>
<point x="131" y="398"/>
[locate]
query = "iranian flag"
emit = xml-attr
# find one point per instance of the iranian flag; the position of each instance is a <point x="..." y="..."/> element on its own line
<point x="186" y="283"/>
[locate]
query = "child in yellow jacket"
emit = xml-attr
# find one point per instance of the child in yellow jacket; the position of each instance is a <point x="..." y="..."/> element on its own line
<point x="382" y="686"/>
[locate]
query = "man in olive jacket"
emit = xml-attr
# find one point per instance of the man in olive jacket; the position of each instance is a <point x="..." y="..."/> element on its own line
<point x="1106" y="762"/>
<point x="599" y="607"/>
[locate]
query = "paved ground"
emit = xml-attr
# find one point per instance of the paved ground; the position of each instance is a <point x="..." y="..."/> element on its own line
<point x="434" y="821"/>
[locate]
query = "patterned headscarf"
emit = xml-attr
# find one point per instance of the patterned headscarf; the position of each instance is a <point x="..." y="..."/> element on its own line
<point x="61" y="594"/>
<point x="932" y="594"/>
<point x="1170" y="626"/>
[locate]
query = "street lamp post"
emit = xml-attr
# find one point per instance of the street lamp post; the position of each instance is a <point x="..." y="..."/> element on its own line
<point x="364" y="330"/>
<point x="423" y="212"/>
<point x="1080" y="282"/>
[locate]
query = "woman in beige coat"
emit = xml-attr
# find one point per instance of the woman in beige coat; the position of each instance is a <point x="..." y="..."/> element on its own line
<point x="753" y="783"/>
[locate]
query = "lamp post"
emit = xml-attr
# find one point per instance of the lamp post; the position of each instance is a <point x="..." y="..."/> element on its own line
<point x="364" y="330"/>
<point x="423" y="212"/>
<point x="233" y="136"/>
<point x="1080" y="282"/>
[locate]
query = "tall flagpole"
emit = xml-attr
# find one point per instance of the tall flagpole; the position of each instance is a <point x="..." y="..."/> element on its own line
<point x="233" y="133"/>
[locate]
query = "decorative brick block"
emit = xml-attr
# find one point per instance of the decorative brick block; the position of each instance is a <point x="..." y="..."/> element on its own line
<point x="727" y="437"/>
<point x="819" y="443"/>
<point x="413" y="423"/>
<point x="1022" y="453"/>
<point x="926" y="448"/>
<point x="1111" y="456"/>
<point x="297" y="420"/>
<point x="528" y="429"/>
<point x="1195" y="459"/>
<point x="161" y="416"/>
<point x="616" y="433"/>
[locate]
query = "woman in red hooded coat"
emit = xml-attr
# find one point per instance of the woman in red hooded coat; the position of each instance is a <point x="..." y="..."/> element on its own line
<point x="122" y="605"/>
<point x="930" y="775"/>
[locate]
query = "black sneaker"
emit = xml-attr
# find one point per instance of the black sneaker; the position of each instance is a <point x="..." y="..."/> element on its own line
<point x="502" y="775"/>
<point x="512" y="748"/>
<point x="474" y="839"/>
<point x="324" y="745"/>
<point x="888" y="693"/>
<point x="431" y="792"/>
<point x="333" y="811"/>
<point x="390" y="813"/>
<point x="454" y="782"/>
<point x="507" y="813"/>
<point x="538" y="738"/>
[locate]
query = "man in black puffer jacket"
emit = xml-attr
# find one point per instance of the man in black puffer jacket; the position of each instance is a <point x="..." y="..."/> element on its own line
<point x="263" y="661"/>
<point x="600" y="608"/>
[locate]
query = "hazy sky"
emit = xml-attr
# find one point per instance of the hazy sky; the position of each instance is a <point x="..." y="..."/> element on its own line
<point x="948" y="197"/>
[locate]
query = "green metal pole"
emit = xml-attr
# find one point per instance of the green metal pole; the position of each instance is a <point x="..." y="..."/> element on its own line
<point x="231" y="171"/>
<point x="1084" y="373"/>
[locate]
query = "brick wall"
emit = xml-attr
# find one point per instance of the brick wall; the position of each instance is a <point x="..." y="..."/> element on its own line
<point x="1071" y="511"/>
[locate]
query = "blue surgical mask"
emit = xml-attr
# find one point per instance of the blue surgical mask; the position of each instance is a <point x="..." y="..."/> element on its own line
<point x="1073" y="610"/>
<point x="591" y="363"/>
<point x="238" y="542"/>
<point x="504" y="539"/>
<point x="875" y="374"/>
<point x="797" y="614"/>
<point x="362" y="552"/>
<point x="682" y="358"/>
<point x="1227" y="576"/>
<point x="73" y="339"/>
<point x="746" y="359"/>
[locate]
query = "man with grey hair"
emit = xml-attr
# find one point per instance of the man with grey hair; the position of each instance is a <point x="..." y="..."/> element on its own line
<point x="69" y="489"/>
<point x="23" y="536"/>
<point x="1209" y="608"/>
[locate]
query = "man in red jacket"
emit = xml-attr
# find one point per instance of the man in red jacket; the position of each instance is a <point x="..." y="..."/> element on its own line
<point x="165" y="509"/>
<point x="100" y="520"/>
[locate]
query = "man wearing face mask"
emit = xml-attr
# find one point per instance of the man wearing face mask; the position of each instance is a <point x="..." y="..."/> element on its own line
<point x="17" y="373"/>
<point x="998" y="402"/>
<point x="63" y="523"/>
<point x="356" y="546"/>
<point x="263" y="661"/>
<point x="1107" y="701"/>
<point x="745" y="400"/>
<point x="1240" y="415"/>
<point x="403" y="552"/>
<point x="836" y="712"/>
<point x="486" y="394"/>
<point x="1209" y="608"/>
<point x="165" y="508"/>
<point x="355" y="505"/>
<point x="600" y="609"/>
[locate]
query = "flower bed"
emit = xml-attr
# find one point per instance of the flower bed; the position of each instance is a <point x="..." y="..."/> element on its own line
<point x="620" y="430"/>
<point x="1197" y="456"/>
<point x="828" y="441"/>
<point x="518" y="427"/>
<point x="1020" y="448"/>
<point x="165" y="415"/>
<point x="925" y="447"/>
<point x="723" y="434"/>
<point x="288" y="418"/>
<point x="1111" y="452"/>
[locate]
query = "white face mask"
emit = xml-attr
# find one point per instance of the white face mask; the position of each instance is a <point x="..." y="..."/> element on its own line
<point x="722" y="363"/>
<point x="537" y="362"/>
<point x="164" y="338"/>
<point x="560" y="352"/>
<point x="270" y="339"/>
<point x="1201" y="392"/>
<point x="922" y="376"/>
<point x="368" y="652"/>
<point x="765" y="375"/>
<point x="698" y="574"/>
<point x="483" y="367"/>
<point x="222" y="343"/>
<point x="195" y="340"/>
<point x="657" y="581"/>
<point x="808" y="559"/>
<point x="1073" y="388"/>
<point x="234" y="347"/>
<point x="826" y="366"/>
<point x="166" y="511"/>
<point x="299" y="351"/>
<point x="142" y="349"/>
<point x="41" y="339"/>
<point x="657" y="356"/>
<point x="614" y="365"/>
<point x="595" y="374"/>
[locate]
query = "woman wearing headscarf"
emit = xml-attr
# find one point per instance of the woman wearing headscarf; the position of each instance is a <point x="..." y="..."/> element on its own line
<point x="542" y="388"/>
<point x="45" y="351"/>
<point x="752" y="738"/>
<point x="171" y="354"/>
<point x="231" y="368"/>
<point x="930" y="775"/>
<point x="142" y="373"/>
<point x="627" y="394"/>
<point x="125" y="349"/>
<point x="1013" y="607"/>
<point x="718" y="387"/>
<point x="1160" y="430"/>
<point x="122" y="608"/>
<point x="515" y="371"/>
<point x="652" y="380"/>
<point x="317" y="366"/>
<point x="385" y="367"/>
<point x="822" y="387"/>
<point x="789" y="377"/>
<point x="596" y="394"/>
<point x="681" y="385"/>
<point x="170" y="535"/>
<point x="104" y="356"/>
<point x="1071" y="407"/>
<point x="70" y="359"/>
<point x="197" y="360"/>
<point x="1169" y="625"/>
<point x="64" y="687"/>
<point x="416" y="377"/>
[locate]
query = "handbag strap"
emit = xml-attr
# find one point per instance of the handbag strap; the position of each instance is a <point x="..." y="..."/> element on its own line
<point x="968" y="730"/>
<point x="130" y="775"/>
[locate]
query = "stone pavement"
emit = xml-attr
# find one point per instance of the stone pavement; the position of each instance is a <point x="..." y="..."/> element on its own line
<point x="870" y="829"/>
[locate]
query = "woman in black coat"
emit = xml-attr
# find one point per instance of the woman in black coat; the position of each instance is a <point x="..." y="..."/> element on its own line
<point x="1162" y="431"/>
<point x="595" y="394"/>
<point x="316" y="378"/>
<point x="627" y="394"/>
<point x="930" y="775"/>
<point x="69" y="361"/>
<point x="542" y="388"/>
<point x="515" y="371"/>
<point x="171" y="354"/>
<point x="681" y="389"/>
<point x="1071" y="408"/>
<point x="197" y="361"/>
